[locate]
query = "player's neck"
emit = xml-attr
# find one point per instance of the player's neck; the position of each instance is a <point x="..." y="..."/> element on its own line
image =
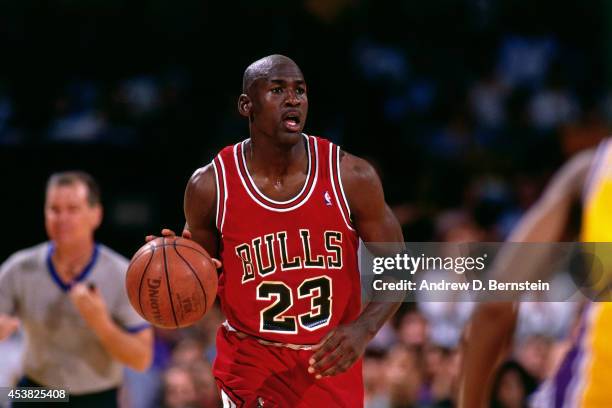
<point x="69" y="260"/>
<point x="271" y="159"/>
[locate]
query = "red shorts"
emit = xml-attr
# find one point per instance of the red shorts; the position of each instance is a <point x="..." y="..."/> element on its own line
<point x="250" y="374"/>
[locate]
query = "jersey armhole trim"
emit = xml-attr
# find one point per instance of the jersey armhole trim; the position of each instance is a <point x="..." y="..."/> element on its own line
<point x="336" y="182"/>
<point x="221" y="185"/>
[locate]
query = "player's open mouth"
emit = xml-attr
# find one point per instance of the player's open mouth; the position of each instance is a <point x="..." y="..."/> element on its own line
<point x="292" y="122"/>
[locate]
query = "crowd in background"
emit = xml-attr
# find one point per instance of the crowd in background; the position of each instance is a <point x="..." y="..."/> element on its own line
<point x="465" y="109"/>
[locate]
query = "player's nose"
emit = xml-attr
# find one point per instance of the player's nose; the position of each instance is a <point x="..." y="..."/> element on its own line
<point x="292" y="98"/>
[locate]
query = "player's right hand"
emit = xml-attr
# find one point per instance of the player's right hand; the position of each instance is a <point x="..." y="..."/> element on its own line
<point x="8" y="325"/>
<point x="166" y="232"/>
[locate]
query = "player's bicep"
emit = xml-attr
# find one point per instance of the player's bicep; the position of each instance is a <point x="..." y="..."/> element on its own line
<point x="383" y="227"/>
<point x="200" y="208"/>
<point x="372" y="217"/>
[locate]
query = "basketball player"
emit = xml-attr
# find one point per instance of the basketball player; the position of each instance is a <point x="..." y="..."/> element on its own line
<point x="583" y="377"/>
<point x="69" y="296"/>
<point x="284" y="211"/>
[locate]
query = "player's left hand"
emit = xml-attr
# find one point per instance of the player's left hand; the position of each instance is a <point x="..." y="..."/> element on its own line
<point x="339" y="350"/>
<point x="89" y="303"/>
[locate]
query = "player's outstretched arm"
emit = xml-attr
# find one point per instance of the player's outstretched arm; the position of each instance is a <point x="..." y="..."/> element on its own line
<point x="200" y="209"/>
<point x="488" y="337"/>
<point x="374" y="222"/>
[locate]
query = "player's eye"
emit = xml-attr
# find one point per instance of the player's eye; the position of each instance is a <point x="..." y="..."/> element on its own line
<point x="300" y="91"/>
<point x="277" y="90"/>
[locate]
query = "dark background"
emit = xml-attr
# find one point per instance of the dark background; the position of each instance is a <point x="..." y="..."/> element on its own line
<point x="141" y="93"/>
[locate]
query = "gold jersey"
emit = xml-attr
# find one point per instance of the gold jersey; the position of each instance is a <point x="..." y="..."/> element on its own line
<point x="589" y="365"/>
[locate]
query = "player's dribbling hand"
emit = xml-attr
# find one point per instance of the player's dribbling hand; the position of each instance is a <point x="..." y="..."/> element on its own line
<point x="338" y="351"/>
<point x="89" y="303"/>
<point x="8" y="325"/>
<point x="166" y="232"/>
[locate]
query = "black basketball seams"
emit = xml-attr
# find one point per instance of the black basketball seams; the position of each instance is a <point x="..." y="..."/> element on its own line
<point x="141" y="254"/>
<point x="181" y="245"/>
<point x="142" y="279"/>
<point x="194" y="274"/>
<point x="168" y="281"/>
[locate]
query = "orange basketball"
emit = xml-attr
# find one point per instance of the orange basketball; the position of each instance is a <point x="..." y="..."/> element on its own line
<point x="171" y="282"/>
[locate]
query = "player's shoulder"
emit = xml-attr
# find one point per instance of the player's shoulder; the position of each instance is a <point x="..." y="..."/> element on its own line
<point x="203" y="181"/>
<point x="31" y="258"/>
<point x="361" y="184"/>
<point x="111" y="259"/>
<point x="356" y="171"/>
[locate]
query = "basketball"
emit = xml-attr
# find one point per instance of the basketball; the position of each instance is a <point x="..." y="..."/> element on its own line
<point x="171" y="282"/>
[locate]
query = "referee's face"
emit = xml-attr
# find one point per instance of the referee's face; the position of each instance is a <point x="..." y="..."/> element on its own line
<point x="69" y="218"/>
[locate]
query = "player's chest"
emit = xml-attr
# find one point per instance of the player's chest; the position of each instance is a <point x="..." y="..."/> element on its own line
<point x="297" y="247"/>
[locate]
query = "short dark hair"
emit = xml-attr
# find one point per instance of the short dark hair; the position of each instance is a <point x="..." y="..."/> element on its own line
<point x="67" y="178"/>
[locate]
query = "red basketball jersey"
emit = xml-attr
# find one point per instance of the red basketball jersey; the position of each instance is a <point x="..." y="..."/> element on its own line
<point x="290" y="270"/>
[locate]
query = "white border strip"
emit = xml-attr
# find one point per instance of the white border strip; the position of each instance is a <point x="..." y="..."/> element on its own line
<point x="267" y="207"/>
<point x="309" y="169"/>
<point x="225" y="194"/>
<point x="217" y="223"/>
<point x="332" y="170"/>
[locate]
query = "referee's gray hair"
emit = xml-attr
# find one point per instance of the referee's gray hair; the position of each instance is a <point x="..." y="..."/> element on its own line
<point x="67" y="178"/>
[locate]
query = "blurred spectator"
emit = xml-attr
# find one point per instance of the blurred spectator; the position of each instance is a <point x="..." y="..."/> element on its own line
<point x="206" y="388"/>
<point x="443" y="368"/>
<point x="374" y="378"/>
<point x="546" y="318"/>
<point x="187" y="351"/>
<point x="413" y="329"/>
<point x="403" y="376"/>
<point x="533" y="353"/>
<point x="487" y="100"/>
<point x="512" y="386"/>
<point x="552" y="107"/>
<point x="179" y="389"/>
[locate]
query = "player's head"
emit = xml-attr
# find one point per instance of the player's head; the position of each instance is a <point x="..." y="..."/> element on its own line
<point x="274" y="98"/>
<point x="72" y="207"/>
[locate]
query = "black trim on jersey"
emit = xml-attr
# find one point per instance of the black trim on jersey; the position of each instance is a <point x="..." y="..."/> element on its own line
<point x="308" y="261"/>
<point x="334" y="247"/>
<point x="265" y="270"/>
<point x="286" y="264"/>
<point x="247" y="262"/>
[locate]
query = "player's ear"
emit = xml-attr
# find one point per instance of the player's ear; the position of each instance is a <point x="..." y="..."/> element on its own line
<point x="244" y="105"/>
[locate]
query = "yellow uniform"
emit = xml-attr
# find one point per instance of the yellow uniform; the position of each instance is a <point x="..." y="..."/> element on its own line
<point x="585" y="376"/>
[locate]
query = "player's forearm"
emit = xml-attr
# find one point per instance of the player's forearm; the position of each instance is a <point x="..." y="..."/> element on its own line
<point x="485" y="344"/>
<point x="375" y="314"/>
<point x="8" y="325"/>
<point x="131" y="349"/>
